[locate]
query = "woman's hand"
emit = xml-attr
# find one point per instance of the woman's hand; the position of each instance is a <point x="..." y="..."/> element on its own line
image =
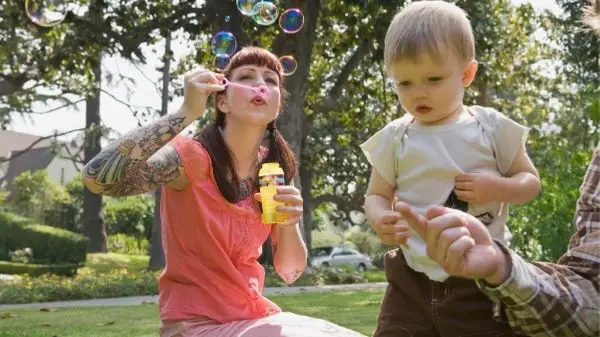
<point x="198" y="84"/>
<point x="293" y="203"/>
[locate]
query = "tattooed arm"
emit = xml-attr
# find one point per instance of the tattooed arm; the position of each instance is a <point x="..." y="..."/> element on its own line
<point x="140" y="161"/>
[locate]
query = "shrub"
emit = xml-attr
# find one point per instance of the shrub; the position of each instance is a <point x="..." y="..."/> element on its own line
<point x="37" y="197"/>
<point x="50" y="245"/>
<point x="116" y="283"/>
<point x="132" y="216"/>
<point x="126" y="244"/>
<point x="68" y="269"/>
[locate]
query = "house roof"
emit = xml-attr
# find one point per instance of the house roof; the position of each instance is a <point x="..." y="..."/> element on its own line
<point x="16" y="141"/>
<point x="32" y="160"/>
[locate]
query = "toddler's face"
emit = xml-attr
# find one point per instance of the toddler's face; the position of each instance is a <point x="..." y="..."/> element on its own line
<point x="432" y="91"/>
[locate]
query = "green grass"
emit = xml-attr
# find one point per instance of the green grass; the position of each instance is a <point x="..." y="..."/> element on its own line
<point x="375" y="276"/>
<point x="106" y="262"/>
<point x="354" y="310"/>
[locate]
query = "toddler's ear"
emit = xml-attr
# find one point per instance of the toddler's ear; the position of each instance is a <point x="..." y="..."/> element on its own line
<point x="469" y="73"/>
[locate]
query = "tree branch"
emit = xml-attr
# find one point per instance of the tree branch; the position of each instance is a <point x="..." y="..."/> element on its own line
<point x="331" y="100"/>
<point x="39" y="140"/>
<point x="58" y="108"/>
<point x="130" y="106"/>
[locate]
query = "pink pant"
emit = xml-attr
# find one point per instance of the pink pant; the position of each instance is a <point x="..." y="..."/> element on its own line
<point x="283" y="324"/>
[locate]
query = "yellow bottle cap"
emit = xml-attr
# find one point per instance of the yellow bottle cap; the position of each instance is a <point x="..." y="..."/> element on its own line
<point x="272" y="168"/>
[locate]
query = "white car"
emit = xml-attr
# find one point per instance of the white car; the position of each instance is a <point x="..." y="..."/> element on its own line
<point x="338" y="256"/>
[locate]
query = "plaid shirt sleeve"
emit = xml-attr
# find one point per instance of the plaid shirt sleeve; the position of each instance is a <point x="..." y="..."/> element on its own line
<point x="562" y="299"/>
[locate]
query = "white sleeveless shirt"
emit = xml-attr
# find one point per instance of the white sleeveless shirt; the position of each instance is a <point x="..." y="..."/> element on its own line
<point x="423" y="161"/>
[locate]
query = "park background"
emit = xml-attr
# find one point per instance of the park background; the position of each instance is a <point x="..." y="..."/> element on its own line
<point x="111" y="65"/>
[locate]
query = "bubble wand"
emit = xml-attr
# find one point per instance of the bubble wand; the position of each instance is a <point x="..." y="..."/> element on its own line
<point x="261" y="90"/>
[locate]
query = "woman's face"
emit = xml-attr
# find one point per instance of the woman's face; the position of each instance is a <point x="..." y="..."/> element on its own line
<point x="254" y="97"/>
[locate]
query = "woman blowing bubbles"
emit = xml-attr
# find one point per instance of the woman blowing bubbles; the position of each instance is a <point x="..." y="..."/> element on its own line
<point x="211" y="224"/>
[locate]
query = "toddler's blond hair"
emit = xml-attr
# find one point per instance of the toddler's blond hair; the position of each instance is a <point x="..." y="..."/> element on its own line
<point x="431" y="27"/>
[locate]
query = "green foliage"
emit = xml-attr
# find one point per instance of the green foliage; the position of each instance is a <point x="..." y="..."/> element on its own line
<point x="116" y="283"/>
<point x="318" y="276"/>
<point x="131" y="216"/>
<point x="50" y="245"/>
<point x="3" y="195"/>
<point x="541" y="229"/>
<point x="21" y="255"/>
<point x="35" y="270"/>
<point x="105" y="262"/>
<point x="37" y="197"/>
<point x="127" y="244"/>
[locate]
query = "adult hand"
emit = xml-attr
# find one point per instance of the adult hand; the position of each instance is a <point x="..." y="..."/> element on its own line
<point x="459" y="243"/>
<point x="199" y="83"/>
<point x="293" y="203"/>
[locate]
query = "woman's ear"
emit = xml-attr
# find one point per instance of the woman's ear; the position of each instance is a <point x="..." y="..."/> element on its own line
<point x="222" y="103"/>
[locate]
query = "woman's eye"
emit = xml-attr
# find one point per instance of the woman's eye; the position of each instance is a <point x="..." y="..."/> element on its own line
<point x="272" y="81"/>
<point x="245" y="77"/>
<point x="403" y="84"/>
<point x="435" y="79"/>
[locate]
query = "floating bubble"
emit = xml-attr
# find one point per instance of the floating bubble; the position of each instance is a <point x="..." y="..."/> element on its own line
<point x="289" y="64"/>
<point x="291" y="21"/>
<point x="224" y="43"/>
<point x="266" y="13"/>
<point x="227" y="18"/>
<point x="221" y="61"/>
<point x="247" y="7"/>
<point x="46" y="13"/>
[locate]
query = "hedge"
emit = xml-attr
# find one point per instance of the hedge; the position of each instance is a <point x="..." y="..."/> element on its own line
<point x="68" y="269"/>
<point x="50" y="245"/>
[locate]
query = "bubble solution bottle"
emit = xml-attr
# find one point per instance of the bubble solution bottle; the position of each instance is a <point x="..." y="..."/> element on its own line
<point x="270" y="177"/>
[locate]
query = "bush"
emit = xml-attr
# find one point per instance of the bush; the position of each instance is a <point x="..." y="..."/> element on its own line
<point x="541" y="229"/>
<point x="318" y="276"/>
<point x="34" y="270"/>
<point x="50" y="245"/>
<point x="365" y="241"/>
<point x="132" y="216"/>
<point x="126" y="244"/>
<point x="117" y="283"/>
<point x="37" y="197"/>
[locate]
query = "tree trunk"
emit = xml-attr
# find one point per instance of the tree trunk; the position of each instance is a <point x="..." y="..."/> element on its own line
<point x="157" y="256"/>
<point x="93" y="222"/>
<point x="291" y="122"/>
<point x="306" y="183"/>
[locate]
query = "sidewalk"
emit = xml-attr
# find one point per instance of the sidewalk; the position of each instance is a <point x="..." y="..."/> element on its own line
<point x="138" y="300"/>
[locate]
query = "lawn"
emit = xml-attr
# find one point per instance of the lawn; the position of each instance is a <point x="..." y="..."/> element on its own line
<point x="110" y="261"/>
<point x="354" y="310"/>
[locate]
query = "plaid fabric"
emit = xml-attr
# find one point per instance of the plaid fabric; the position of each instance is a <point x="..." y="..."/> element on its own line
<point x="562" y="299"/>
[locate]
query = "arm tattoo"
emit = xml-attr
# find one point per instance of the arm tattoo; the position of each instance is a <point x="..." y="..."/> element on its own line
<point x="140" y="161"/>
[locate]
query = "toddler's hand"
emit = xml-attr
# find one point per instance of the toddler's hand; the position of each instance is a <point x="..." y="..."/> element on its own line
<point x="391" y="228"/>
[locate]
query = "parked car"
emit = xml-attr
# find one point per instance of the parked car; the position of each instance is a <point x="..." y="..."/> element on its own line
<point x="337" y="256"/>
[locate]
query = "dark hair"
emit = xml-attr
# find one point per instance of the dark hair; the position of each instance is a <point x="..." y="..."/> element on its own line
<point x="212" y="140"/>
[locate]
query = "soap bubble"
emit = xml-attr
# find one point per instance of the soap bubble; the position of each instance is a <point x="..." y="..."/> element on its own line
<point x="289" y="64"/>
<point x="247" y="7"/>
<point x="224" y="43"/>
<point x="46" y="13"/>
<point x="266" y="13"/>
<point x="291" y="21"/>
<point x="221" y="61"/>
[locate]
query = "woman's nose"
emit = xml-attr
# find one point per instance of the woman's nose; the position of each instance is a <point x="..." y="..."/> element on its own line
<point x="261" y="90"/>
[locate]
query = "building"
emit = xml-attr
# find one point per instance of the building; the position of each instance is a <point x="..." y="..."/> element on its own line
<point x="21" y="152"/>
